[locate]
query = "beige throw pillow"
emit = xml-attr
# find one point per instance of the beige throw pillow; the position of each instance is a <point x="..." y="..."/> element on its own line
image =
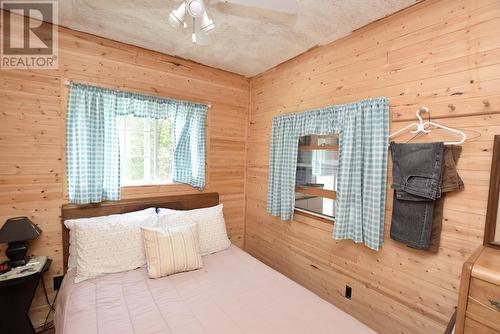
<point x="170" y="251"/>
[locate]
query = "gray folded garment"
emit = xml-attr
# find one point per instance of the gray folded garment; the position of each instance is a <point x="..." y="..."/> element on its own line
<point x="417" y="171"/>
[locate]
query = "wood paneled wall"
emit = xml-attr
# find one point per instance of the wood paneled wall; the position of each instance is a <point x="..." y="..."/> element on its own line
<point x="32" y="132"/>
<point x="441" y="54"/>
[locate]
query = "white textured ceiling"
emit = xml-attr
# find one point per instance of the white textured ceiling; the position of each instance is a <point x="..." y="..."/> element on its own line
<point x="246" y="40"/>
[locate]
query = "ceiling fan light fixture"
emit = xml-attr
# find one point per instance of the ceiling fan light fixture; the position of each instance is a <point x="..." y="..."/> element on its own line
<point x="195" y="11"/>
<point x="196" y="8"/>
<point x="206" y="24"/>
<point x="198" y="36"/>
<point x="177" y="17"/>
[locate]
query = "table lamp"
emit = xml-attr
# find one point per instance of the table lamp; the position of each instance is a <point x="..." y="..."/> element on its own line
<point x="16" y="232"/>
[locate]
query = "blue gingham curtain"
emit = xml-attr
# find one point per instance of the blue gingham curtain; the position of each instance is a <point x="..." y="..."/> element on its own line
<point x="188" y="165"/>
<point x="363" y="129"/>
<point x="92" y="142"/>
<point x="92" y="146"/>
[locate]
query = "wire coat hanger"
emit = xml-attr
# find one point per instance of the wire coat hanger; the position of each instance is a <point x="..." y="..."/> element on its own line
<point x="421" y="128"/>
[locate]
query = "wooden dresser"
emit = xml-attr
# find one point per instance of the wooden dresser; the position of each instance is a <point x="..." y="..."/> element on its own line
<point x="479" y="296"/>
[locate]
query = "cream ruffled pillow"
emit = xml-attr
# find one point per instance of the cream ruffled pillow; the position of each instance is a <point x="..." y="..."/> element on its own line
<point x="110" y="247"/>
<point x="170" y="251"/>
<point x="211" y="226"/>
<point x="145" y="217"/>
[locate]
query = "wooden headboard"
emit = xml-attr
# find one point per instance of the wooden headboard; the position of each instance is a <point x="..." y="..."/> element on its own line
<point x="177" y="202"/>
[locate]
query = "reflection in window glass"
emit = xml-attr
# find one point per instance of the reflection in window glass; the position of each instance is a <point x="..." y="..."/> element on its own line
<point x="316" y="178"/>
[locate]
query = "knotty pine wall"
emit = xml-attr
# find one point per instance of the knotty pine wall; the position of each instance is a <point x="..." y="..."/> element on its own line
<point x="441" y="54"/>
<point x="32" y="132"/>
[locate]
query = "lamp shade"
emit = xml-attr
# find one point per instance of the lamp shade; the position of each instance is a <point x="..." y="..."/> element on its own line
<point x="177" y="17"/>
<point x="18" y="229"/>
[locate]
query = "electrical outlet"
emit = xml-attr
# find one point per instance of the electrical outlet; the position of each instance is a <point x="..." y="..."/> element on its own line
<point x="57" y="280"/>
<point x="348" y="292"/>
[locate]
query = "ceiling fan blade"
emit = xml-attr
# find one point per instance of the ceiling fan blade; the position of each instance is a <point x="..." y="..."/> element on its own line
<point x="284" y="6"/>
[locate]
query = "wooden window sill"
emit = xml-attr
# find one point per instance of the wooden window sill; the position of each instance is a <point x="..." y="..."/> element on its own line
<point x="170" y="188"/>
<point x="318" y="147"/>
<point x="315" y="217"/>
<point x="144" y="185"/>
<point x="318" y="192"/>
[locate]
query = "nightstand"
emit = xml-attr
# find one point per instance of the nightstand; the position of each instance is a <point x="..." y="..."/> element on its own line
<point x="17" y="289"/>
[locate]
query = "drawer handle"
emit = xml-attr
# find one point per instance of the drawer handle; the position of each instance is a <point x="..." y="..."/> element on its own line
<point x="495" y="303"/>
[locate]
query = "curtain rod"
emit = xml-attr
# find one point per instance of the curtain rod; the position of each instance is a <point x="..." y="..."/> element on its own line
<point x="67" y="83"/>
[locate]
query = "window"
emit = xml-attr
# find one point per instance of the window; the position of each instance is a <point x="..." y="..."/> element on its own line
<point x="146" y="148"/>
<point x="316" y="180"/>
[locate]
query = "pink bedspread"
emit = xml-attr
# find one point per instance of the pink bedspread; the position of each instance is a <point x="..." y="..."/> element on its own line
<point x="233" y="293"/>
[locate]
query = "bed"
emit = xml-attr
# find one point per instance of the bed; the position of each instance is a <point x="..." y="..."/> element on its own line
<point x="232" y="293"/>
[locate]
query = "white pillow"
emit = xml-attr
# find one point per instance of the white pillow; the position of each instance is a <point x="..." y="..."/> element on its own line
<point x="110" y="247"/>
<point x="211" y="226"/>
<point x="124" y="218"/>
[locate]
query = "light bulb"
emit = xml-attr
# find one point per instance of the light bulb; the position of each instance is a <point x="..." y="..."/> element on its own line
<point x="195" y="8"/>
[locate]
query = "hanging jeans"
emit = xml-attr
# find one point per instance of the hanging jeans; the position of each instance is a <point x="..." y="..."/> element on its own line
<point x="417" y="171"/>
<point x="451" y="181"/>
